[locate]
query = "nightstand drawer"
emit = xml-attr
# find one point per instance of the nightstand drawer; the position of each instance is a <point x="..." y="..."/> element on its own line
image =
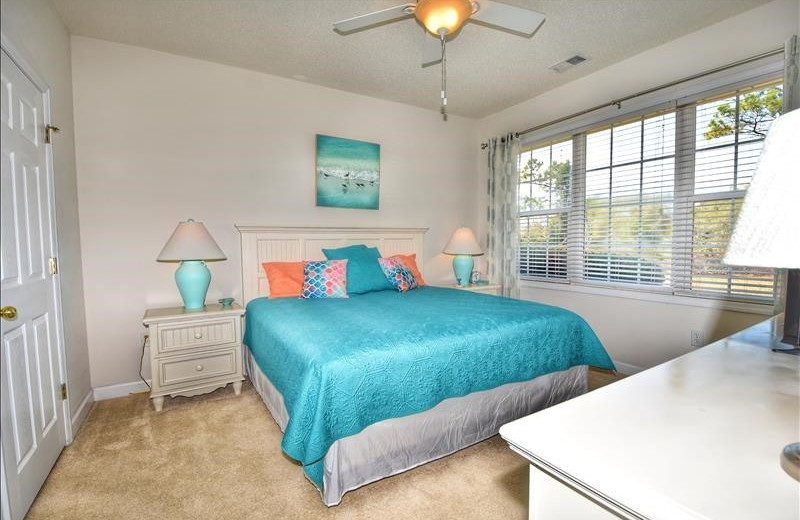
<point x="175" y="371"/>
<point x="175" y="338"/>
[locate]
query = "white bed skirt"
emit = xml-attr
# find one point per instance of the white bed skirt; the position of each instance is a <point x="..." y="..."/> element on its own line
<point x="395" y="445"/>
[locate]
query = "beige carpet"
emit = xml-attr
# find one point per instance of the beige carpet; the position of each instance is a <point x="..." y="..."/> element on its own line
<point x="219" y="456"/>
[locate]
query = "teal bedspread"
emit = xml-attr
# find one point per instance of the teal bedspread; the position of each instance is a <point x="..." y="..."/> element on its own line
<point x="343" y="364"/>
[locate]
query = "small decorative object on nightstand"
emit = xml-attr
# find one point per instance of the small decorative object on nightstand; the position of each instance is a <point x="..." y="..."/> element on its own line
<point x="463" y="246"/>
<point x="475" y="278"/>
<point x="193" y="353"/>
<point x="487" y="288"/>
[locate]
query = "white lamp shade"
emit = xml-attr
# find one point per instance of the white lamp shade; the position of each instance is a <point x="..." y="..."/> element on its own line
<point x="463" y="242"/>
<point x="190" y="241"/>
<point x="767" y="233"/>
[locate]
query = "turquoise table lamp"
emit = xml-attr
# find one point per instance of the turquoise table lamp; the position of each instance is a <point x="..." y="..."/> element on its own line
<point x="463" y="246"/>
<point x="192" y="245"/>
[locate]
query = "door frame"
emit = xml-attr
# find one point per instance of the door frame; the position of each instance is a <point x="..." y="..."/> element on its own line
<point x="17" y="55"/>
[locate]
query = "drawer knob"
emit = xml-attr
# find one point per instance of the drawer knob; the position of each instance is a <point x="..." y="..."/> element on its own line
<point x="199" y="368"/>
<point x="198" y="335"/>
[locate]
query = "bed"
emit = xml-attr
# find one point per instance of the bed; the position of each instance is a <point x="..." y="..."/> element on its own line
<point x="378" y="383"/>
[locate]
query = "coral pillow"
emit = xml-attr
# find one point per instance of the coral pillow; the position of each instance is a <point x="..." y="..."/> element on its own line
<point x="285" y="279"/>
<point x="411" y="263"/>
<point x="325" y="279"/>
<point x="398" y="273"/>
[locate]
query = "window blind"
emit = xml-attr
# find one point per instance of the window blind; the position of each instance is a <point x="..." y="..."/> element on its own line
<point x="629" y="201"/>
<point x="649" y="202"/>
<point x="545" y="176"/>
<point x="728" y="135"/>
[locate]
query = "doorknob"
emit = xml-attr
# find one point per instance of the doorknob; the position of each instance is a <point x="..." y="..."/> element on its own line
<point x="8" y="313"/>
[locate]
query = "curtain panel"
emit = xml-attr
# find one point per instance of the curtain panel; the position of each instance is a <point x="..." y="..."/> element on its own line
<point x="502" y="214"/>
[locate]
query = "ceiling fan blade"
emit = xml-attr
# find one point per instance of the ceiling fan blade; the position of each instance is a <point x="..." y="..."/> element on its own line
<point x="431" y="49"/>
<point x="378" y="17"/>
<point x="508" y="17"/>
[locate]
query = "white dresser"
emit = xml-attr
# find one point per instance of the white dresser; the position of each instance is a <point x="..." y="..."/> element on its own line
<point x="194" y="352"/>
<point x="697" y="437"/>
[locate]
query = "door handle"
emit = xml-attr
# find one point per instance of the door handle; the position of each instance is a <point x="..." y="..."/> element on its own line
<point x="49" y="130"/>
<point x="8" y="313"/>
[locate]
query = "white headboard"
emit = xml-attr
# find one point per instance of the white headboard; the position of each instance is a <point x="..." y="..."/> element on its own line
<point x="292" y="244"/>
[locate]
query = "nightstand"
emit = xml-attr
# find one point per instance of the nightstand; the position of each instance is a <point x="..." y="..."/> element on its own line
<point x="194" y="352"/>
<point x="490" y="288"/>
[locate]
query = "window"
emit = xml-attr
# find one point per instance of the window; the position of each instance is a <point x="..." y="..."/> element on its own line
<point x="544" y="201"/>
<point x="729" y="134"/>
<point x="649" y="202"/>
<point x="629" y="195"/>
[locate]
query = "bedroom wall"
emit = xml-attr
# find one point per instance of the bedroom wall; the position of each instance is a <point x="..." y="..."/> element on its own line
<point x="36" y="30"/>
<point x="637" y="332"/>
<point x="162" y="138"/>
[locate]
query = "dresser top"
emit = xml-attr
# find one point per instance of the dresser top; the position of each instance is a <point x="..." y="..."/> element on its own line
<point x="177" y="313"/>
<point x="697" y="437"/>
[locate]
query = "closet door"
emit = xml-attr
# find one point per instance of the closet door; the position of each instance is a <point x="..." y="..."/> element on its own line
<point x="32" y="427"/>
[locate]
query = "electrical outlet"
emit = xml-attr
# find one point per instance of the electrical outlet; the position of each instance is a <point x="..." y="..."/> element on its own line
<point x="698" y="338"/>
<point x="144" y="337"/>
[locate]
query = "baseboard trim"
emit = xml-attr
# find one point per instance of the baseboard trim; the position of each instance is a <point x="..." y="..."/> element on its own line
<point x="103" y="393"/>
<point x="625" y="368"/>
<point x="80" y="415"/>
<point x="121" y="390"/>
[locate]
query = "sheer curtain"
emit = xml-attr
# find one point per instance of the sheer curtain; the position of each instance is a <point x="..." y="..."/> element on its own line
<point x="502" y="214"/>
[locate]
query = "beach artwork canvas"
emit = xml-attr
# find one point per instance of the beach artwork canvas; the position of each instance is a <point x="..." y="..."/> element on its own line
<point x="348" y="173"/>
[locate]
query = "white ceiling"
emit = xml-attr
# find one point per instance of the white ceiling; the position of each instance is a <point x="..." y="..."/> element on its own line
<point x="488" y="70"/>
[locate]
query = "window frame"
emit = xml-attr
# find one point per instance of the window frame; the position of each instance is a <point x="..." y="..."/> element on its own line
<point x="641" y="163"/>
<point x="691" y="197"/>
<point x="547" y="212"/>
<point x="684" y="199"/>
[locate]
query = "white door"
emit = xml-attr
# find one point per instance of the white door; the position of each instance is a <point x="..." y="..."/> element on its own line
<point x="32" y="427"/>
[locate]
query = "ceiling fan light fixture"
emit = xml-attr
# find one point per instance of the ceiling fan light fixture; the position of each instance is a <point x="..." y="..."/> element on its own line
<point x="443" y="17"/>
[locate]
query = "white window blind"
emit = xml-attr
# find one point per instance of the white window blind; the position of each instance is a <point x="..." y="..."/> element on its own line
<point x="544" y="201"/>
<point x="649" y="202"/>
<point x="629" y="199"/>
<point x="728" y="137"/>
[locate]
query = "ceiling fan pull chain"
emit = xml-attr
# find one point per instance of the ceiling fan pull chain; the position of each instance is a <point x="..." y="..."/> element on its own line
<point x="444" y="76"/>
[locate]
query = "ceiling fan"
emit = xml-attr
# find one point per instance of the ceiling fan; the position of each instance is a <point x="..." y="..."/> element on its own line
<point x="444" y="18"/>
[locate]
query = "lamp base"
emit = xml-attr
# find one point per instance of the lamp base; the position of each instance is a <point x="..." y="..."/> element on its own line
<point x="193" y="279"/>
<point x="790" y="460"/>
<point x="462" y="267"/>
<point x="791" y="314"/>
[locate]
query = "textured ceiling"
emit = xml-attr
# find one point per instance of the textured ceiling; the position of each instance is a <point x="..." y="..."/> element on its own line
<point x="488" y="70"/>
